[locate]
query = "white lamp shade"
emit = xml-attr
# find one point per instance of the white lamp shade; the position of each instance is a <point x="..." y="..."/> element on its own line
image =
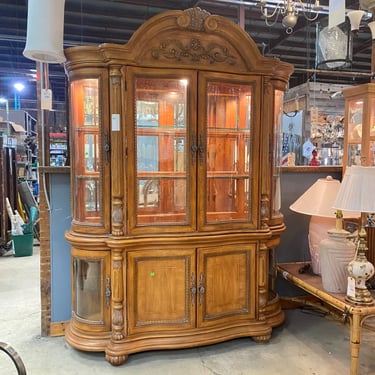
<point x="355" y="17"/>
<point x="319" y="198"/>
<point x="371" y="25"/>
<point x="45" y="31"/>
<point x="357" y="190"/>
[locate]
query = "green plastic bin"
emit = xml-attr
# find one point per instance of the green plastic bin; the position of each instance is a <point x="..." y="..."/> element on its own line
<point x="23" y="245"/>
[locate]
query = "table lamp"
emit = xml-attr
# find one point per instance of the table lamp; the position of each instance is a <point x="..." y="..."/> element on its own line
<point x="317" y="201"/>
<point x="356" y="193"/>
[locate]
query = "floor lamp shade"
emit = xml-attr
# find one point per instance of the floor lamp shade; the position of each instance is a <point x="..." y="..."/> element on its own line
<point x="45" y="31"/>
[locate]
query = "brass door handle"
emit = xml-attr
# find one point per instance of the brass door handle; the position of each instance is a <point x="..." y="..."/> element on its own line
<point x="193" y="289"/>
<point x="106" y="147"/>
<point x="202" y="289"/>
<point x="194" y="148"/>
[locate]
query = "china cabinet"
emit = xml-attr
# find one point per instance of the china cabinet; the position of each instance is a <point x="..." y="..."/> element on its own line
<point x="175" y="184"/>
<point x="359" y="147"/>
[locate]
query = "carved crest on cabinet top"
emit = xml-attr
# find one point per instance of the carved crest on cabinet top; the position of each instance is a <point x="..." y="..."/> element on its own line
<point x="193" y="19"/>
<point x="193" y="51"/>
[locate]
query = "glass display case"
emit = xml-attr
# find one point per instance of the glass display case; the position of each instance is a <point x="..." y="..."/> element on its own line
<point x="359" y="146"/>
<point x="175" y="187"/>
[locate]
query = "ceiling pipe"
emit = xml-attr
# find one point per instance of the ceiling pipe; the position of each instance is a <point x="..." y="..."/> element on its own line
<point x="334" y="72"/>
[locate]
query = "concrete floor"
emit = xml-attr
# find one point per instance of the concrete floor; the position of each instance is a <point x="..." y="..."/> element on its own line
<point x="305" y="344"/>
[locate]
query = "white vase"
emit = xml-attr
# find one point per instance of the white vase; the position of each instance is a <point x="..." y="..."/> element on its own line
<point x="336" y="252"/>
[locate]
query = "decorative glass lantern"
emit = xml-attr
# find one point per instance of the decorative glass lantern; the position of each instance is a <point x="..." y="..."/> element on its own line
<point x="334" y="46"/>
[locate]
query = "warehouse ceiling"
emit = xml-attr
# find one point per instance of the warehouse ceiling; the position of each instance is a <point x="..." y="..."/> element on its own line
<point x="91" y="22"/>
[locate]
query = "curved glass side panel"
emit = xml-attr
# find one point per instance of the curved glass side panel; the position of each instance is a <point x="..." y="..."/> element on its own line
<point x="87" y="151"/>
<point x="89" y="289"/>
<point x="277" y="153"/>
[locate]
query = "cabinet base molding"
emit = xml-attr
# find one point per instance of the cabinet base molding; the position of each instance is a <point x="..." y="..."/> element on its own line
<point x="86" y="341"/>
<point x="116" y="352"/>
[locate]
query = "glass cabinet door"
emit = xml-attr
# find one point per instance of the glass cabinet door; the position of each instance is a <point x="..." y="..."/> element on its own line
<point x="192" y="167"/>
<point x="86" y="126"/>
<point x="162" y="170"/>
<point x="227" y="163"/>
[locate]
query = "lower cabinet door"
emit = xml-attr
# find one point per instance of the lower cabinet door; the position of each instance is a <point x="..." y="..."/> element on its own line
<point x="161" y="290"/>
<point x="226" y="283"/>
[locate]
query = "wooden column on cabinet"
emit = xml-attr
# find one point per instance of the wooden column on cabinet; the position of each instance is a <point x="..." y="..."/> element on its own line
<point x="263" y="280"/>
<point x="117" y="153"/>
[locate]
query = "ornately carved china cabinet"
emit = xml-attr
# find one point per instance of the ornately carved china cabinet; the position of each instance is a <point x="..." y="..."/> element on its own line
<point x="175" y="184"/>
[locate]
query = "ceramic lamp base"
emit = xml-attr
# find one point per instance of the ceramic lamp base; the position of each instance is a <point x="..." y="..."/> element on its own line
<point x="361" y="270"/>
<point x="362" y="297"/>
<point x="336" y="252"/>
<point x="318" y="230"/>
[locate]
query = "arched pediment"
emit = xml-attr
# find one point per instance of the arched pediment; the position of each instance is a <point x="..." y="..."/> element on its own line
<point x="193" y="38"/>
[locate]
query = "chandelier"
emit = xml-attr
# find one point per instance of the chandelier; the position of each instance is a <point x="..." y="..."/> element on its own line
<point x="289" y="10"/>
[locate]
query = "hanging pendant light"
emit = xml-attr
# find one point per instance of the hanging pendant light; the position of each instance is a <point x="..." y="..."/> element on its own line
<point x="45" y="31"/>
<point x="334" y="47"/>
